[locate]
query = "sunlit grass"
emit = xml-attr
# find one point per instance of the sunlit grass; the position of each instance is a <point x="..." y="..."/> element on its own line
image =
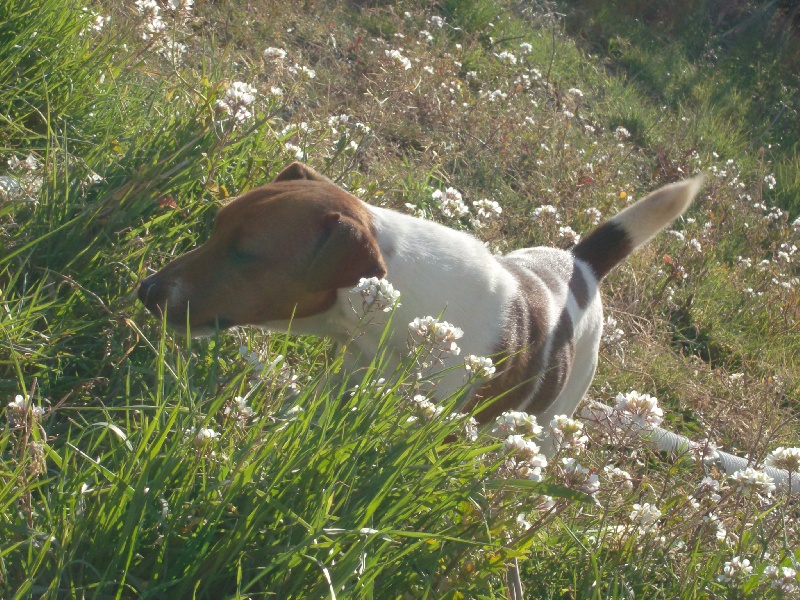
<point x="144" y="476"/>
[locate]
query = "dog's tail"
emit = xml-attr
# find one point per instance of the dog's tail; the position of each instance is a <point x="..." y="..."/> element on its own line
<point x="612" y="242"/>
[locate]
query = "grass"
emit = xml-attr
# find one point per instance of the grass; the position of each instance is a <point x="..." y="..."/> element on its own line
<point x="143" y="475"/>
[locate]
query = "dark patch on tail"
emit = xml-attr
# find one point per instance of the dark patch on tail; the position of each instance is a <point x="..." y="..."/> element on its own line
<point x="604" y="248"/>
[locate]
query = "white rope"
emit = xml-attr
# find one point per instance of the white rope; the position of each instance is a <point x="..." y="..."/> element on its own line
<point x="666" y="441"/>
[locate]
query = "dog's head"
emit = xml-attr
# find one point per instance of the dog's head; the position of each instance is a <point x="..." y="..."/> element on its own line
<point x="277" y="252"/>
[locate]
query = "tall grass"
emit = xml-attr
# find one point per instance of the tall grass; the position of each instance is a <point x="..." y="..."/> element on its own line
<point x="137" y="463"/>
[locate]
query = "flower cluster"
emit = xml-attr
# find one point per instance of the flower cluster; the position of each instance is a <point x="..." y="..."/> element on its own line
<point x="239" y="410"/>
<point x="523" y="458"/>
<point x="479" y="366"/>
<point x="705" y="452"/>
<point x="752" y="480"/>
<point x="440" y="335"/>
<point x="451" y="203"/>
<point x="640" y="409"/>
<point x="645" y="517"/>
<point x="201" y="438"/>
<point x="236" y="100"/>
<point x="568" y="433"/>
<point x="516" y="422"/>
<point x="735" y="569"/>
<point x="275" y="54"/>
<point x="783" y="579"/>
<point x="425" y="408"/>
<point x="784" y="458"/>
<point x="579" y="477"/>
<point x="398" y="57"/>
<point x="621" y="133"/>
<point x="154" y="23"/>
<point x="619" y="477"/>
<point x="612" y="335"/>
<point x="486" y="209"/>
<point x="20" y="411"/>
<point x="377" y="294"/>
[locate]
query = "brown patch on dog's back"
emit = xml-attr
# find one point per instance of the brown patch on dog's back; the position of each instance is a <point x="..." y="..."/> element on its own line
<point x="531" y="374"/>
<point x="521" y="353"/>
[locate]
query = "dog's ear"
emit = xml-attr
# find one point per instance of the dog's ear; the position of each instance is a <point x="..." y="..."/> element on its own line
<point x="298" y="170"/>
<point x="348" y="253"/>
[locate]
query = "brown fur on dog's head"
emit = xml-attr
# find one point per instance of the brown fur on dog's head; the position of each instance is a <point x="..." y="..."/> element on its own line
<point x="276" y="252"/>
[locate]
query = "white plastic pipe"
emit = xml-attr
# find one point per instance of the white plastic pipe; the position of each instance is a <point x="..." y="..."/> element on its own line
<point x="666" y="441"/>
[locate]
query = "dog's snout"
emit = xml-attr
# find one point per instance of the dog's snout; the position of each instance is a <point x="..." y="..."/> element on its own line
<point x="153" y="294"/>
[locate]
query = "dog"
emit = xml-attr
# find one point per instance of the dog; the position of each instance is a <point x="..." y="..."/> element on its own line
<point x="287" y="254"/>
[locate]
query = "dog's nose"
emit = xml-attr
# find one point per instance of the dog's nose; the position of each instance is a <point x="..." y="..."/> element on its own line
<point x="152" y="294"/>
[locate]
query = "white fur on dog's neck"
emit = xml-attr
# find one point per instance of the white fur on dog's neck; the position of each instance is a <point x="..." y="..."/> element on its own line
<point x="439" y="272"/>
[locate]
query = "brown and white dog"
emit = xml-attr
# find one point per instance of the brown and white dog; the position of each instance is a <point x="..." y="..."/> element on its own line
<point x="291" y="251"/>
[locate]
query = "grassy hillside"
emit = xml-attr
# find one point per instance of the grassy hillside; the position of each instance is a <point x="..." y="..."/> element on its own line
<point x="134" y="463"/>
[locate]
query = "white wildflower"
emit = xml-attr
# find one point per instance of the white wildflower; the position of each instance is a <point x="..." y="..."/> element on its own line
<point x="451" y="203"/>
<point x="524" y="459"/>
<point x="239" y="410"/>
<point x="427" y="409"/>
<point x="519" y="446"/>
<point x="440" y="335"/>
<point x="621" y="133"/>
<point x="507" y="57"/>
<point x="705" y="452"/>
<point x="617" y="475"/>
<point x="180" y="5"/>
<point x="470" y="426"/>
<point x="171" y="50"/>
<point x="516" y="423"/>
<point x="568" y="433"/>
<point x="275" y="54"/>
<point x="436" y="21"/>
<point x="712" y="524"/>
<point x="611" y="333"/>
<point x="377" y="294"/>
<point x="398" y="57"/>
<point x="525" y="48"/>
<point x="200" y="437"/>
<point x="545" y="209"/>
<point x="580" y="477"/>
<point x="20" y="410"/>
<point x="735" y="569"/>
<point x="569" y="234"/>
<point x="154" y="24"/>
<point x="302" y="71"/>
<point x="641" y="409"/>
<point x="752" y="480"/>
<point x="770" y="181"/>
<point x="575" y="92"/>
<point x="496" y="95"/>
<point x="696" y="245"/>
<point x="783" y="579"/>
<point x="100" y="22"/>
<point x="487" y="208"/>
<point x="784" y="458"/>
<point x="645" y="517"/>
<point x="237" y="98"/>
<point x="296" y="150"/>
<point x="479" y="366"/>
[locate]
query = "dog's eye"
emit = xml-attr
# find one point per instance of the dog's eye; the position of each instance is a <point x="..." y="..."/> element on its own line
<point x="242" y="257"/>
